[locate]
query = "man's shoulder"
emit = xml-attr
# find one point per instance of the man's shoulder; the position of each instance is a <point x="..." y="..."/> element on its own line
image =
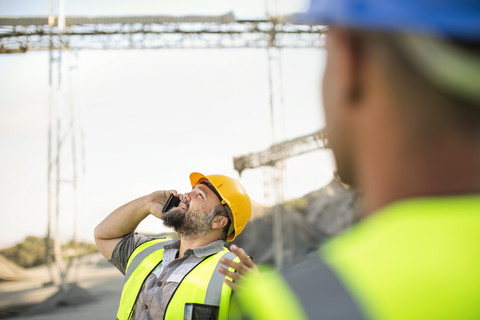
<point x="124" y="249"/>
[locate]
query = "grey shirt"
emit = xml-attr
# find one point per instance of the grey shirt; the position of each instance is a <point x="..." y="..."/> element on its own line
<point x="164" y="280"/>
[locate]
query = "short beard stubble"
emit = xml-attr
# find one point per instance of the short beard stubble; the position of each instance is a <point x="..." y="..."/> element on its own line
<point x="189" y="224"/>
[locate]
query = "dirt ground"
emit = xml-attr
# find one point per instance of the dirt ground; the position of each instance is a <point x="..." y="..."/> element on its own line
<point x="100" y="279"/>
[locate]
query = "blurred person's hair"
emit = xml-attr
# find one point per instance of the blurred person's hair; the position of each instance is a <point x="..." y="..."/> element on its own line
<point x="426" y="104"/>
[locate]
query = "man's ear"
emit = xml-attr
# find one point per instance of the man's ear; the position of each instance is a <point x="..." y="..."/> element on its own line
<point x="349" y="51"/>
<point x="219" y="222"/>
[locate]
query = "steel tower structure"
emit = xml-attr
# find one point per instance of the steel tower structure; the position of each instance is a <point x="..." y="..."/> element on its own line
<point x="62" y="36"/>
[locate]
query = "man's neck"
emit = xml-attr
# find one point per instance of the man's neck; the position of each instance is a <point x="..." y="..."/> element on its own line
<point x="450" y="169"/>
<point x="195" y="242"/>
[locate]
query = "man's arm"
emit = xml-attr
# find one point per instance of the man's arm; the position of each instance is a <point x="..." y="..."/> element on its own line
<point x="125" y="220"/>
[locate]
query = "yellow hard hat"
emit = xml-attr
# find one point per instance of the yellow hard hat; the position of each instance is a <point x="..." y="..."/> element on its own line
<point x="232" y="194"/>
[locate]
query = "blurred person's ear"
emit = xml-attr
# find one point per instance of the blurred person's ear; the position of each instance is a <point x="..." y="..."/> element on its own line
<point x="341" y="94"/>
<point x="343" y="66"/>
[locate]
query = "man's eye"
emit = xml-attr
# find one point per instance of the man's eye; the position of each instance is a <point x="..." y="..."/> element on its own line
<point x="200" y="195"/>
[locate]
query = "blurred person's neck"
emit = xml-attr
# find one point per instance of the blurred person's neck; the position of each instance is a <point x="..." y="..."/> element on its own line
<point x="395" y="168"/>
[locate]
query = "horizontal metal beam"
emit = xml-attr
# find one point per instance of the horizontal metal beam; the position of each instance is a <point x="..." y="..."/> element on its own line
<point x="78" y="20"/>
<point x="151" y="32"/>
<point x="281" y="151"/>
<point x="162" y="19"/>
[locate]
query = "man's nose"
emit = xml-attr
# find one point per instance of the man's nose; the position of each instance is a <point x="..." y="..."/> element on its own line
<point x="187" y="197"/>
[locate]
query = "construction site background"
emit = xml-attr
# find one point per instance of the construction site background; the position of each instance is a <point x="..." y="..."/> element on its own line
<point x="314" y="217"/>
<point x="76" y="285"/>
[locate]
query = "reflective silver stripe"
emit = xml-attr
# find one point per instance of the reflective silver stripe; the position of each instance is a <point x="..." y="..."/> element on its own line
<point x="188" y="313"/>
<point x="142" y="255"/>
<point x="320" y="291"/>
<point x="214" y="289"/>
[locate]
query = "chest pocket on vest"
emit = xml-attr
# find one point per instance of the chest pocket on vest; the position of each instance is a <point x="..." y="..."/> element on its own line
<point x="197" y="311"/>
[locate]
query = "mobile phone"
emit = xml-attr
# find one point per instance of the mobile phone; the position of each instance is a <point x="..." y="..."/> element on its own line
<point x="173" y="201"/>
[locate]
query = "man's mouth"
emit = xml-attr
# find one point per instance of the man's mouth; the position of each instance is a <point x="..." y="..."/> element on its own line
<point x="183" y="205"/>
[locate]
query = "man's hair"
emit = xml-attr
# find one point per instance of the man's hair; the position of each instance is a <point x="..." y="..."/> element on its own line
<point x="425" y="103"/>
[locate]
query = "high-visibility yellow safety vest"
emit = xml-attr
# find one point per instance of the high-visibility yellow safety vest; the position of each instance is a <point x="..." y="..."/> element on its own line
<point x="203" y="285"/>
<point x="414" y="259"/>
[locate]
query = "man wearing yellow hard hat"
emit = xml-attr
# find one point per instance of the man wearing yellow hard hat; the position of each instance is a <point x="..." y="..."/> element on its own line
<point x="167" y="279"/>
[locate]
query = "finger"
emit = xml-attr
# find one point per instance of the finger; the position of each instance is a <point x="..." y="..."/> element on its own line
<point x="230" y="284"/>
<point x="244" y="258"/>
<point x="239" y="267"/>
<point x="227" y="273"/>
<point x="174" y="192"/>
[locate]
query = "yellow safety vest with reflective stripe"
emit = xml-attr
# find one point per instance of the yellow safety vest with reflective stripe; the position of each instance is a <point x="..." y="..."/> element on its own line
<point x="414" y="259"/>
<point x="203" y="285"/>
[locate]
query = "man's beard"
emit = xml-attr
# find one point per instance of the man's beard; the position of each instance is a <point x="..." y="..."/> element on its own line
<point x="190" y="223"/>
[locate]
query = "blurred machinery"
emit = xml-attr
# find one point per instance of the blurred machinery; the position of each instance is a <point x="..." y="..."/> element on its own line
<point x="62" y="36"/>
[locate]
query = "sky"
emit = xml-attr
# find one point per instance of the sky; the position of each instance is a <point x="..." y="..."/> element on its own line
<point x="151" y="117"/>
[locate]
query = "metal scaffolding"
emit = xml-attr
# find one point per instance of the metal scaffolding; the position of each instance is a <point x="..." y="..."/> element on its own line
<point x="65" y="35"/>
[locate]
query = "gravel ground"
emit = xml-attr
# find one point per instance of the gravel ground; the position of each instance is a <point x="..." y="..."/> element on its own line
<point x="102" y="282"/>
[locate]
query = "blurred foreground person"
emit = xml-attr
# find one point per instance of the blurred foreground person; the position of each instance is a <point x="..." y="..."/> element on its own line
<point x="166" y="279"/>
<point x="401" y="93"/>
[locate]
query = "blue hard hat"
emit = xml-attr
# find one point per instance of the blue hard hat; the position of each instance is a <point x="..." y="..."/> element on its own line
<point x="457" y="19"/>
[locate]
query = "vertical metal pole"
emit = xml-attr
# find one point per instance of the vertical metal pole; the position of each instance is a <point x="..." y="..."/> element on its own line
<point x="62" y="133"/>
<point x="277" y="209"/>
<point x="278" y="134"/>
<point x="72" y="67"/>
<point x="56" y="139"/>
<point x="48" y="255"/>
<point x="56" y="245"/>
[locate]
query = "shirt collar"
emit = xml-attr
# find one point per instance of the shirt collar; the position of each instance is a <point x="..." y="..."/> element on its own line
<point x="200" y="252"/>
